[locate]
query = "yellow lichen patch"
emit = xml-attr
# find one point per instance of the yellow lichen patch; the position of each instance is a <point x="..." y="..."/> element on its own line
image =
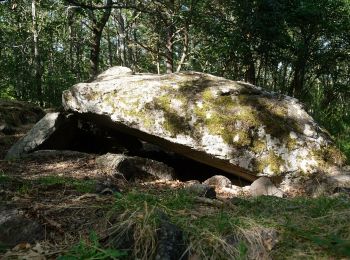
<point x="208" y="95"/>
<point x="271" y="161"/>
<point x="109" y="100"/>
<point x="258" y="145"/>
<point x="291" y="143"/>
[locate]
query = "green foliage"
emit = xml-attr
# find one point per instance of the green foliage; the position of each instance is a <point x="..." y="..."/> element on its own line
<point x="7" y="93"/>
<point x="4" y="178"/>
<point x="24" y="186"/>
<point x="289" y="47"/>
<point x="83" y="186"/>
<point x="172" y="200"/>
<point x="92" y="250"/>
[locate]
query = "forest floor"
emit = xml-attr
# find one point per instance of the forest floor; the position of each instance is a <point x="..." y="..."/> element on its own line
<point x="63" y="194"/>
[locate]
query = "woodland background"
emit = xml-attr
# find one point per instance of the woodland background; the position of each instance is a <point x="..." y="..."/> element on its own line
<point x="296" y="47"/>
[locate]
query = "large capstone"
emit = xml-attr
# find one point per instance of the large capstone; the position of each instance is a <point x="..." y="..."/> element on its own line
<point x="231" y="125"/>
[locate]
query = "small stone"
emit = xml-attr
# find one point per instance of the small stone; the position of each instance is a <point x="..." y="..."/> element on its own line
<point x="107" y="191"/>
<point x="219" y="182"/>
<point x="171" y="244"/>
<point x="264" y="186"/>
<point x="135" y="168"/>
<point x="342" y="190"/>
<point x="16" y="229"/>
<point x="191" y="182"/>
<point x="105" y="187"/>
<point x="233" y="191"/>
<point x="202" y="190"/>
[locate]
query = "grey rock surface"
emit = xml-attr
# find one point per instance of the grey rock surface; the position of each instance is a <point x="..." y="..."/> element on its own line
<point x="36" y="136"/>
<point x="201" y="190"/>
<point x="233" y="126"/>
<point x="15" y="228"/>
<point x="133" y="167"/>
<point x="171" y="244"/>
<point x="219" y="182"/>
<point x="15" y="113"/>
<point x="264" y="186"/>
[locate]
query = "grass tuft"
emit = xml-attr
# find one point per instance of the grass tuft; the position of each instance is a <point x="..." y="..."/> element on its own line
<point x="255" y="228"/>
<point x="91" y="249"/>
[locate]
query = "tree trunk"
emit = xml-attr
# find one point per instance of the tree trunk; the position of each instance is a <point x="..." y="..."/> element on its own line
<point x="37" y="59"/>
<point x="110" y="53"/>
<point x="121" y="33"/>
<point x="169" y="51"/>
<point x="95" y="52"/>
<point x="297" y="84"/>
<point x="97" y="29"/>
<point x="250" y="73"/>
<point x="184" y="50"/>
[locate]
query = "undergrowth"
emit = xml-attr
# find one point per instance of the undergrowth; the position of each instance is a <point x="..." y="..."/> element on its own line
<point x="296" y="228"/>
<point x="25" y="186"/>
<point x="310" y="228"/>
<point x="91" y="249"/>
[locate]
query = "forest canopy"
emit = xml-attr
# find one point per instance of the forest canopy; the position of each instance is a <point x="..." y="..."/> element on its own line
<point x="299" y="48"/>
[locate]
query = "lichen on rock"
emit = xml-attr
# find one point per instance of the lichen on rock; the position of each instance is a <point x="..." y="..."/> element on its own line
<point x="232" y="125"/>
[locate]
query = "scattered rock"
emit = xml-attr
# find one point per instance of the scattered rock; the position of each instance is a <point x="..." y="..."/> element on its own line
<point x="201" y="190"/>
<point x="219" y="182"/>
<point x="15" y="113"/>
<point x="171" y="244"/>
<point x="106" y="187"/>
<point x="16" y="229"/>
<point x="47" y="126"/>
<point x="191" y="182"/>
<point x="25" y="251"/>
<point x="133" y="168"/>
<point x="233" y="191"/>
<point x="264" y="186"/>
<point x="342" y="190"/>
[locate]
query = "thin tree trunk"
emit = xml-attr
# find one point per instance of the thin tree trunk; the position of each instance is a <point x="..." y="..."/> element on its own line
<point x="297" y="84"/>
<point x="110" y="52"/>
<point x="185" y="49"/>
<point x="250" y="73"/>
<point x="97" y="29"/>
<point x="121" y="33"/>
<point x="169" y="51"/>
<point x="37" y="59"/>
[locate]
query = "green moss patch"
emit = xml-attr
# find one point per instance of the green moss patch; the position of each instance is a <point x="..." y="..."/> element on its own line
<point x="271" y="160"/>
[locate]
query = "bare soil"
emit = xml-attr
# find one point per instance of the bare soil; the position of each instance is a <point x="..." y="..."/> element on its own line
<point x="66" y="213"/>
